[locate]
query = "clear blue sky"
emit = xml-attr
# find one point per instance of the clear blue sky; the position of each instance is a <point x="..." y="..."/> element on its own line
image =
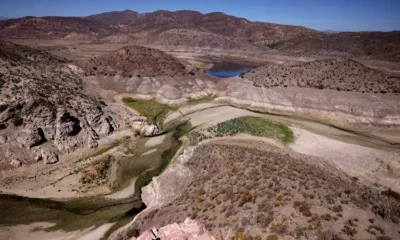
<point x="345" y="15"/>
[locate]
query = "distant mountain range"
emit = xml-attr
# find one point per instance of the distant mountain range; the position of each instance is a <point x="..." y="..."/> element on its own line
<point x="331" y="31"/>
<point x="213" y="30"/>
<point x="3" y="18"/>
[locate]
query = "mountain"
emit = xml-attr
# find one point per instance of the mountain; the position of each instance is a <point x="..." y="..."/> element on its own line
<point x="55" y="28"/>
<point x="3" y="18"/>
<point x="213" y="30"/>
<point x="376" y="45"/>
<point x="146" y="26"/>
<point x="331" y="31"/>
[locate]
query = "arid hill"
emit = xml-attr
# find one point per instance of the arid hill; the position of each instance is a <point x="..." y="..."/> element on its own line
<point x="213" y="30"/>
<point x="135" y="61"/>
<point x="44" y="109"/>
<point x="147" y="25"/>
<point x="376" y="45"/>
<point x="242" y="189"/>
<point x="338" y="74"/>
<point x="55" y="28"/>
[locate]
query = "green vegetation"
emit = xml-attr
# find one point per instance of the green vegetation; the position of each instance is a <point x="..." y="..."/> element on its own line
<point x="255" y="126"/>
<point x="129" y="151"/>
<point x="205" y="99"/>
<point x="166" y="158"/>
<point x="154" y="112"/>
<point x="69" y="216"/>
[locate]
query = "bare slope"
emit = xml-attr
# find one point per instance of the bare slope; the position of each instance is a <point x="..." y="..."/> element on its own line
<point x="245" y="188"/>
<point x="55" y="28"/>
<point x="375" y="45"/>
<point x="339" y="74"/>
<point x="135" y="60"/>
<point x="44" y="111"/>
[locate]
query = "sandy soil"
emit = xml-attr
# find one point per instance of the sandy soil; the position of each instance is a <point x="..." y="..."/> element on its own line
<point x="22" y="232"/>
<point x="124" y="193"/>
<point x="154" y="141"/>
<point x="370" y="164"/>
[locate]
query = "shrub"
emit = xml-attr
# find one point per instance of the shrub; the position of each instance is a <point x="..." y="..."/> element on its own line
<point x="272" y="237"/>
<point x="17" y="121"/>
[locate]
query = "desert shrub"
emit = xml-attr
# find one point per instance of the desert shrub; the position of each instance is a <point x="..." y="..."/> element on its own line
<point x="3" y="107"/>
<point x="263" y="220"/>
<point x="17" y="121"/>
<point x="272" y="237"/>
<point x="279" y="228"/>
<point x="255" y="126"/>
<point x="304" y="207"/>
<point x="349" y="230"/>
<point x="337" y="208"/>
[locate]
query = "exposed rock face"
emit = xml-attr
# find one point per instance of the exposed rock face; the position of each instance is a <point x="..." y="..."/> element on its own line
<point x="188" y="230"/>
<point x="48" y="157"/>
<point x="338" y="108"/>
<point x="15" y="163"/>
<point x="44" y="108"/>
<point x="170" y="95"/>
<point x="162" y="190"/>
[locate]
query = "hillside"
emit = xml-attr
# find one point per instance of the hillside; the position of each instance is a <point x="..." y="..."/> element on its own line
<point x="241" y="189"/>
<point x="212" y="30"/>
<point x="133" y="61"/>
<point x="146" y="25"/>
<point x="44" y="109"/>
<point x="55" y="28"/>
<point x="376" y="45"/>
<point x="339" y="74"/>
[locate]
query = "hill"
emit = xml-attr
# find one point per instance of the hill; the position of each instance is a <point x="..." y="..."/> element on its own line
<point x="147" y="26"/>
<point x="55" y="28"/>
<point x="338" y="74"/>
<point x="212" y="30"/>
<point x="135" y="60"/>
<point x="376" y="45"/>
<point x="44" y="109"/>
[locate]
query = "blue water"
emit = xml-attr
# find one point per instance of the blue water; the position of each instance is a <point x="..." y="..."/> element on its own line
<point x="226" y="69"/>
<point x="226" y="73"/>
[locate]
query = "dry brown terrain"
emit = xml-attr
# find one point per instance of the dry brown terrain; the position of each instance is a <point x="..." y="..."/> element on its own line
<point x="45" y="111"/>
<point x="135" y="61"/>
<point x="244" y="187"/>
<point x="213" y="30"/>
<point x="335" y="74"/>
<point x="371" y="45"/>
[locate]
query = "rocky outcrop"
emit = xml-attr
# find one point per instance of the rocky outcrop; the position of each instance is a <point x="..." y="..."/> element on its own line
<point x="344" y="109"/>
<point x="45" y="111"/>
<point x="162" y="191"/>
<point x="188" y="230"/>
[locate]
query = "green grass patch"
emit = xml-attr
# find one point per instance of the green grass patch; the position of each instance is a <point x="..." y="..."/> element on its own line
<point x="166" y="158"/>
<point x="129" y="151"/>
<point x="154" y="112"/>
<point x="205" y="99"/>
<point x="69" y="216"/>
<point x="255" y="126"/>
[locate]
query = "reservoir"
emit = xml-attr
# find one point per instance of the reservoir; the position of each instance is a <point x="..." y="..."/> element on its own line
<point x="227" y="68"/>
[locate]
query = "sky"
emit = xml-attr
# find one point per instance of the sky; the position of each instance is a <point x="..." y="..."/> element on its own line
<point x="338" y="15"/>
